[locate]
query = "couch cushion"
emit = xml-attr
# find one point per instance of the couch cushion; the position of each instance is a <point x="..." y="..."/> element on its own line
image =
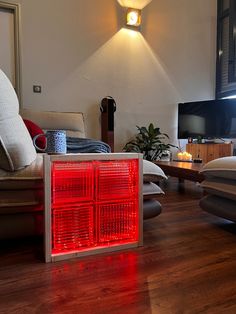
<point x="219" y="206"/>
<point x="224" y="167"/>
<point x="222" y="187"/>
<point x="17" y="150"/>
<point x="28" y="177"/>
<point x="71" y="122"/>
<point x="152" y="172"/>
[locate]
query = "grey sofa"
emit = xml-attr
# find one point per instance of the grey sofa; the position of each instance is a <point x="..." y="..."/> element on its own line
<point x="21" y="191"/>
<point x="21" y="168"/>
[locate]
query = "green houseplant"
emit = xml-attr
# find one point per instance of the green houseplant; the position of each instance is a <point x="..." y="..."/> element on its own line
<point x="151" y="142"/>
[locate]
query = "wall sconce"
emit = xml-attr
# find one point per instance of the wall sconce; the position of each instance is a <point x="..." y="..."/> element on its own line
<point x="133" y="18"/>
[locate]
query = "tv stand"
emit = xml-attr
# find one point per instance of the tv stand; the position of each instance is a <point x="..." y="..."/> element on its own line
<point x="210" y="151"/>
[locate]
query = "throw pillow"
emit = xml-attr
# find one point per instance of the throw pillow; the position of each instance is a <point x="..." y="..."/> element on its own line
<point x="34" y="130"/>
<point x="17" y="149"/>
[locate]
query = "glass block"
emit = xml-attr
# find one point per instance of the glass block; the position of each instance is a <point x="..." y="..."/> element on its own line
<point x="72" y="228"/>
<point x="117" y="222"/>
<point x="72" y="182"/>
<point x="117" y="179"/>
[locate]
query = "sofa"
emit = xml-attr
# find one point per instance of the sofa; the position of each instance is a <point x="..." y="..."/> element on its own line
<point x="220" y="187"/>
<point x="21" y="167"/>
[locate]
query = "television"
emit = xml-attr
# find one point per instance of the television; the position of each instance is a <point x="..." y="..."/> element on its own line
<point x="209" y="119"/>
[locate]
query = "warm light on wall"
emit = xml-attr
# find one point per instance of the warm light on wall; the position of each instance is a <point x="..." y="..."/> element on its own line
<point x="133" y="17"/>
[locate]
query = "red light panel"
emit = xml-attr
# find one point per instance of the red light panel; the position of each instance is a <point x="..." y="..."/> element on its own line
<point x="94" y="204"/>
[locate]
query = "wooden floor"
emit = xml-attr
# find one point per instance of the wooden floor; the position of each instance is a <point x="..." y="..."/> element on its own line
<point x="187" y="265"/>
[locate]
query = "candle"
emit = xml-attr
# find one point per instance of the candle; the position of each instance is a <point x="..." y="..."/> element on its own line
<point x="180" y="156"/>
<point x="185" y="156"/>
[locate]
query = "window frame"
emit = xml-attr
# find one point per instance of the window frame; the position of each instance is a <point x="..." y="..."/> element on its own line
<point x="222" y="14"/>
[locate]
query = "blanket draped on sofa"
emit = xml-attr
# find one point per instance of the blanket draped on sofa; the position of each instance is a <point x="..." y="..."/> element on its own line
<point x="86" y="145"/>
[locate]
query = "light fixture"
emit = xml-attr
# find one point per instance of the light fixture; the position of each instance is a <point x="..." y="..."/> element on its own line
<point x="133" y="17"/>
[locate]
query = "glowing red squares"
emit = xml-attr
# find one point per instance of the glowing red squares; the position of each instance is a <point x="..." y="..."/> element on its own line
<point x="94" y="204"/>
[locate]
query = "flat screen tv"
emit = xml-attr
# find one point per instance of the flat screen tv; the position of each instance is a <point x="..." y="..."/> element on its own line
<point x="208" y="119"/>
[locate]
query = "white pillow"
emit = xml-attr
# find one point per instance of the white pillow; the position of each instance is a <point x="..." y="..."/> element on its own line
<point x="224" y="167"/>
<point x="150" y="189"/>
<point x="152" y="172"/>
<point x="16" y="147"/>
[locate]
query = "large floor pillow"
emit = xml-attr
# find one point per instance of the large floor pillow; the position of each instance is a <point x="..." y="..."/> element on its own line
<point x="224" y="167"/>
<point x="16" y="147"/>
<point x="219" y="206"/>
<point x="152" y="172"/>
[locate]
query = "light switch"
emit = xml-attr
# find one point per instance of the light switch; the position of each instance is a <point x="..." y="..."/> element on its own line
<point x="37" y="89"/>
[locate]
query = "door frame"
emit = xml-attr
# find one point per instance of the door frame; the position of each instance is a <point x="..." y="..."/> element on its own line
<point x="15" y="9"/>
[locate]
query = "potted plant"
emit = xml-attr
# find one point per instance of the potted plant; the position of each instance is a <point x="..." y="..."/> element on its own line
<point x="151" y="142"/>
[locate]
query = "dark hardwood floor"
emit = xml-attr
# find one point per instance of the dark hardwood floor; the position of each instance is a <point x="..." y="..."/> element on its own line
<point x="187" y="265"/>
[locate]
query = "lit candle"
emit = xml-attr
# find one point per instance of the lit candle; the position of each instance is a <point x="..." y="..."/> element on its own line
<point x="180" y="156"/>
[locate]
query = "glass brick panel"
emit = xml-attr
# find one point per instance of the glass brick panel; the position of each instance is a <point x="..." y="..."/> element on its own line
<point x="72" y="182"/>
<point x="117" y="179"/>
<point x="117" y="222"/>
<point x="72" y="228"/>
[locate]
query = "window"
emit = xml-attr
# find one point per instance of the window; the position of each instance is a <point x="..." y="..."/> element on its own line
<point x="226" y="49"/>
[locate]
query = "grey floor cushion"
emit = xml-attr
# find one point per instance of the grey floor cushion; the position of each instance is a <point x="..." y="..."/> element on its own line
<point x="151" y="208"/>
<point x="222" y="187"/>
<point x="219" y="206"/>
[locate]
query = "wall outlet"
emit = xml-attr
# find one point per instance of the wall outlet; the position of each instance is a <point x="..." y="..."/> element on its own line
<point x="37" y="88"/>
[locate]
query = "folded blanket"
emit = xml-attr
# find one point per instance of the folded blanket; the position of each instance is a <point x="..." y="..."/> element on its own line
<point x="86" y="145"/>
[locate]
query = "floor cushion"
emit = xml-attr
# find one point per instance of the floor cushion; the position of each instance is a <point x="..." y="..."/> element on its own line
<point x="151" y="190"/>
<point x="224" y="167"/>
<point x="151" y="208"/>
<point x="219" y="206"/>
<point x="221" y="187"/>
<point x="152" y="172"/>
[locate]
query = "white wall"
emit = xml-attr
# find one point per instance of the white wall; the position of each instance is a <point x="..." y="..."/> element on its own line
<point x="77" y="52"/>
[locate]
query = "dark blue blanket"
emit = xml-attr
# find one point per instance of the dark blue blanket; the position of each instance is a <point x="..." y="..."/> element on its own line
<point x="86" y="145"/>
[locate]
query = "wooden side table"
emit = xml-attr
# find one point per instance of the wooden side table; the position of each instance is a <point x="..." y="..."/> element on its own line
<point x="93" y="204"/>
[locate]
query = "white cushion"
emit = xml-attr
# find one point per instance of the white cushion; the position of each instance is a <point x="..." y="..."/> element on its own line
<point x="224" y="167"/>
<point x="17" y="150"/>
<point x="151" y="189"/>
<point x="221" y="187"/>
<point x="152" y="172"/>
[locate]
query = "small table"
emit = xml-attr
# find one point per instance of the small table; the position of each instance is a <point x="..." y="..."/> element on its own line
<point x="182" y="170"/>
